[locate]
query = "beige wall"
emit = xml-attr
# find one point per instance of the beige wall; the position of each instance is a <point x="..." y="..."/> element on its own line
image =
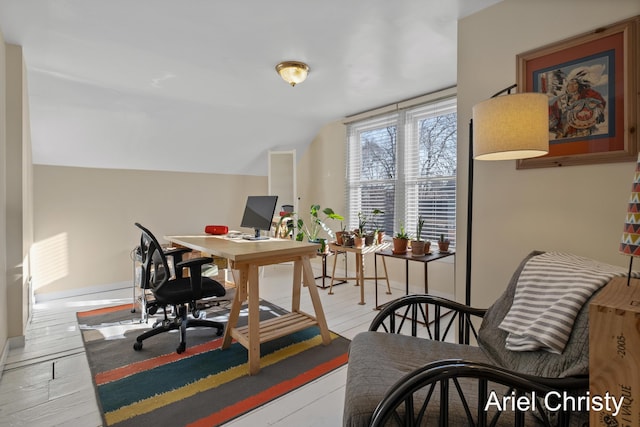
<point x="577" y="208"/>
<point x="85" y="218"/>
<point x="16" y="215"/>
<point x="19" y="214"/>
<point x="3" y="203"/>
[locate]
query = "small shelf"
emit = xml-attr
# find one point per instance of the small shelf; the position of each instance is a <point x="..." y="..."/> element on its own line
<point x="276" y="327"/>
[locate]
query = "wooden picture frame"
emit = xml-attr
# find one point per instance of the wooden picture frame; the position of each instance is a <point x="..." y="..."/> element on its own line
<point x="592" y="81"/>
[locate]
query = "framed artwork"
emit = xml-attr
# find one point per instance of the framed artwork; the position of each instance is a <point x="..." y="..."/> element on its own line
<point x="592" y="82"/>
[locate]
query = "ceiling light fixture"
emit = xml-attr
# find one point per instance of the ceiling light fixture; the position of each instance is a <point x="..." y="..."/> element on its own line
<point x="293" y="72"/>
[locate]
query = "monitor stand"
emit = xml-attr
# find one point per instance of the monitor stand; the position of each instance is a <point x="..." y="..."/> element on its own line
<point x="257" y="236"/>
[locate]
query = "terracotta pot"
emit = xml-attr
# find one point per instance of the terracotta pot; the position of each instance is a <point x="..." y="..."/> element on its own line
<point x="358" y="242"/>
<point x="417" y="248"/>
<point x="443" y="246"/>
<point x="339" y="237"/>
<point x="380" y="236"/>
<point x="400" y="246"/>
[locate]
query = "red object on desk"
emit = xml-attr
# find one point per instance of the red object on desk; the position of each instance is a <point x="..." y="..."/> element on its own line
<point x="216" y="229"/>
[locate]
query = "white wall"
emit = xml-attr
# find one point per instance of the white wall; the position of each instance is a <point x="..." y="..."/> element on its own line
<point x="579" y="209"/>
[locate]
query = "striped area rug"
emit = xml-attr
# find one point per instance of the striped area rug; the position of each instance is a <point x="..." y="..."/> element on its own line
<point x="204" y="386"/>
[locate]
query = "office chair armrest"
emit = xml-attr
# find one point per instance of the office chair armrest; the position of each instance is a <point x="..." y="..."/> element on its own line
<point x="195" y="273"/>
<point x="176" y="253"/>
<point x="194" y="262"/>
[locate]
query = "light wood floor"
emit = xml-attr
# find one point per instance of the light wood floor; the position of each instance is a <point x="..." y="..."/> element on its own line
<point x="48" y="383"/>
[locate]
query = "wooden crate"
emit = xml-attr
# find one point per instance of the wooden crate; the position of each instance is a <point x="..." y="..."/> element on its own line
<point x="614" y="351"/>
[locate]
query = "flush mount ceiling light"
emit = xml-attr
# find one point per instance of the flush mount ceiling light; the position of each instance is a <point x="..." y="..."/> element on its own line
<point x="293" y="72"/>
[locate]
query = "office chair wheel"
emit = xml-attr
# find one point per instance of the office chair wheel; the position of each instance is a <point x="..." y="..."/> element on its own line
<point x="137" y="346"/>
<point x="181" y="348"/>
<point x="219" y="332"/>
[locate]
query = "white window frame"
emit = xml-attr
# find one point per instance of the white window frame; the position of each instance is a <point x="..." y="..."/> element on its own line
<point x="407" y="179"/>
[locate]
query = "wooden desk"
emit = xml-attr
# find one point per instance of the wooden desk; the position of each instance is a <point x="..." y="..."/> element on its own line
<point x="246" y="257"/>
<point x="359" y="277"/>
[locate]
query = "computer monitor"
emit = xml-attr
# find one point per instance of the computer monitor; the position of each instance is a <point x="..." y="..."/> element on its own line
<point x="258" y="214"/>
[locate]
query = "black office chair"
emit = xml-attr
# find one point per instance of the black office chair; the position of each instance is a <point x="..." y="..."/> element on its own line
<point x="182" y="293"/>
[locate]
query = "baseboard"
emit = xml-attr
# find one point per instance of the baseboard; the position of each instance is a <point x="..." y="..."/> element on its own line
<point x="49" y="296"/>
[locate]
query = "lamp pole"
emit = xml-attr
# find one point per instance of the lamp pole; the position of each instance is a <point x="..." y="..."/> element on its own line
<point x="467" y="288"/>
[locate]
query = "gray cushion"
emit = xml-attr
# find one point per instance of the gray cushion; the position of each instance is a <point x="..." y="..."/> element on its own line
<point x="574" y="360"/>
<point x="377" y="360"/>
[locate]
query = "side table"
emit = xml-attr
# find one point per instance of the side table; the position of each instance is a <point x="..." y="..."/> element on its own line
<point x="324" y="267"/>
<point x="425" y="259"/>
<point x="359" y="277"/>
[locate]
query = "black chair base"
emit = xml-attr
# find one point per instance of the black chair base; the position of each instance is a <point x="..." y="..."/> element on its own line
<point x="180" y="322"/>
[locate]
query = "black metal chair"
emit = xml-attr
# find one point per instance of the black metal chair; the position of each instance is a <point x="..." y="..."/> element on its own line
<point x="181" y="293"/>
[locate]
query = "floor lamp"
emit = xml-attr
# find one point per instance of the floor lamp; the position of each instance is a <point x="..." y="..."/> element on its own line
<point x="507" y="127"/>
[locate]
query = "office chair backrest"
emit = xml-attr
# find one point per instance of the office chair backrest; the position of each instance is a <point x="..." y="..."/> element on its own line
<point x="155" y="268"/>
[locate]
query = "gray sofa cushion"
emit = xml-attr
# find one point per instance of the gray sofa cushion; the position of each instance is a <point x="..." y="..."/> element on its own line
<point x="573" y="361"/>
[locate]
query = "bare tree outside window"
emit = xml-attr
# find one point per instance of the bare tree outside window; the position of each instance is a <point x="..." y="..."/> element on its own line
<point x="379" y="153"/>
<point x="438" y="141"/>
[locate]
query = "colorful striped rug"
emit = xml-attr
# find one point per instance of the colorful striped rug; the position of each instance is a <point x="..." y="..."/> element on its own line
<point x="204" y="386"/>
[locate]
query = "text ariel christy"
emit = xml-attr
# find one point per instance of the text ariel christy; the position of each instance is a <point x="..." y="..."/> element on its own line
<point x="555" y="401"/>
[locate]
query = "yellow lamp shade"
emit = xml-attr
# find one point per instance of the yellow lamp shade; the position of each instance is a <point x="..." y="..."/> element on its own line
<point x="511" y="127"/>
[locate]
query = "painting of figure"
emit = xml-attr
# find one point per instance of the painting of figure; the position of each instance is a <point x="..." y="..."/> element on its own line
<point x="578" y="98"/>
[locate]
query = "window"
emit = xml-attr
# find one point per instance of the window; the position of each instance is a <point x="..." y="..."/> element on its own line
<point x="404" y="164"/>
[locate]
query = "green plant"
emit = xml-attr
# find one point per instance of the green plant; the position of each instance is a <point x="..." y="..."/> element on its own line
<point x="297" y="227"/>
<point x="362" y="222"/>
<point x="402" y="234"/>
<point x="292" y="223"/>
<point x="375" y="213"/>
<point x="317" y="223"/>
<point x="419" y="227"/>
<point x="442" y="239"/>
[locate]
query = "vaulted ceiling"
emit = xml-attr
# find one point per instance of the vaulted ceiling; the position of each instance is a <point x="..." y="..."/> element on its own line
<point x="191" y="86"/>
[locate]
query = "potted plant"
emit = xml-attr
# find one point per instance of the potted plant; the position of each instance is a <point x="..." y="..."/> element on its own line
<point x="317" y="223"/>
<point x="296" y="226"/>
<point x="339" y="234"/>
<point x="400" y="241"/>
<point x="290" y="227"/>
<point x="347" y="239"/>
<point x="378" y="232"/>
<point x="418" y="246"/>
<point x="443" y="244"/>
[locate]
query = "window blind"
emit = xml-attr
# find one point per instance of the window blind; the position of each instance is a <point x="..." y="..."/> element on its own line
<point x="404" y="164"/>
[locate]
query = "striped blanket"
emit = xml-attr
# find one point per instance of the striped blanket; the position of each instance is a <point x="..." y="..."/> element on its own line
<point x="550" y="291"/>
